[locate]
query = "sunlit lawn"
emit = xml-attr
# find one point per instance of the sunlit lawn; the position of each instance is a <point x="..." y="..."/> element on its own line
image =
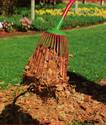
<point x="87" y="45"/>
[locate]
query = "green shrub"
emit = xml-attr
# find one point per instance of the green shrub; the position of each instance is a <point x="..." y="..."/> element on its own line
<point x="46" y="22"/>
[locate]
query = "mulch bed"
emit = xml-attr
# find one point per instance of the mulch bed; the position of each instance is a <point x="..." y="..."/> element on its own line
<point x="15" y="33"/>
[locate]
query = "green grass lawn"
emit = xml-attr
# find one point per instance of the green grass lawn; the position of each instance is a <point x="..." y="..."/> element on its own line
<point x="87" y="45"/>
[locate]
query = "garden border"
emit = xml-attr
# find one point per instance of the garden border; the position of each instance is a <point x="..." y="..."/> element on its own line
<point x="18" y="33"/>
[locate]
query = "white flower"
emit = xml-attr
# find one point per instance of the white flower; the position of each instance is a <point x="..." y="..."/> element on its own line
<point x="1" y="25"/>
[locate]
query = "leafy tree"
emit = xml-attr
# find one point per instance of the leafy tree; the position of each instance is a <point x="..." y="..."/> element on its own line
<point x="7" y="7"/>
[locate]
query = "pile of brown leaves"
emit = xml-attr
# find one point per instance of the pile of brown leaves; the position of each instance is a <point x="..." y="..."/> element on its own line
<point x="31" y="108"/>
<point x="47" y="66"/>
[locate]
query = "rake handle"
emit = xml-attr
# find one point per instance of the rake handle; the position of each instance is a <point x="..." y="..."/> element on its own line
<point x="65" y="13"/>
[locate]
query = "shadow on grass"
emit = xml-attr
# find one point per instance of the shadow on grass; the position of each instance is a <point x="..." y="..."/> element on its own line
<point x="83" y="85"/>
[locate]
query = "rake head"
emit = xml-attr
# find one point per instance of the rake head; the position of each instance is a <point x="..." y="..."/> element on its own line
<point x="49" y="60"/>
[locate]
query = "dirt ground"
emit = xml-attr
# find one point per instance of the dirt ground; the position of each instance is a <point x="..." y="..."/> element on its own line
<point x="86" y="102"/>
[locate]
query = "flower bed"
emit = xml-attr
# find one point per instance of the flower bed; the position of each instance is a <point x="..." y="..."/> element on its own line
<point x="81" y="12"/>
<point x="49" y="18"/>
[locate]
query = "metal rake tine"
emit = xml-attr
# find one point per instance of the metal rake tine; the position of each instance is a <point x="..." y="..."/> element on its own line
<point x="48" y="38"/>
<point x="41" y="64"/>
<point x="40" y="53"/>
<point x="63" y="49"/>
<point x="36" y="53"/>
<point x="58" y="39"/>
<point x="54" y="44"/>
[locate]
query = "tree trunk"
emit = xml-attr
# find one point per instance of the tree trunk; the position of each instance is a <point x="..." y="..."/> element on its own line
<point x="33" y="10"/>
<point x="84" y="1"/>
<point x="101" y="2"/>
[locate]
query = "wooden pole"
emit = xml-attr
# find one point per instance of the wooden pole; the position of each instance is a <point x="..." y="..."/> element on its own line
<point x="84" y="1"/>
<point x="76" y="6"/>
<point x="101" y="2"/>
<point x="33" y="10"/>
